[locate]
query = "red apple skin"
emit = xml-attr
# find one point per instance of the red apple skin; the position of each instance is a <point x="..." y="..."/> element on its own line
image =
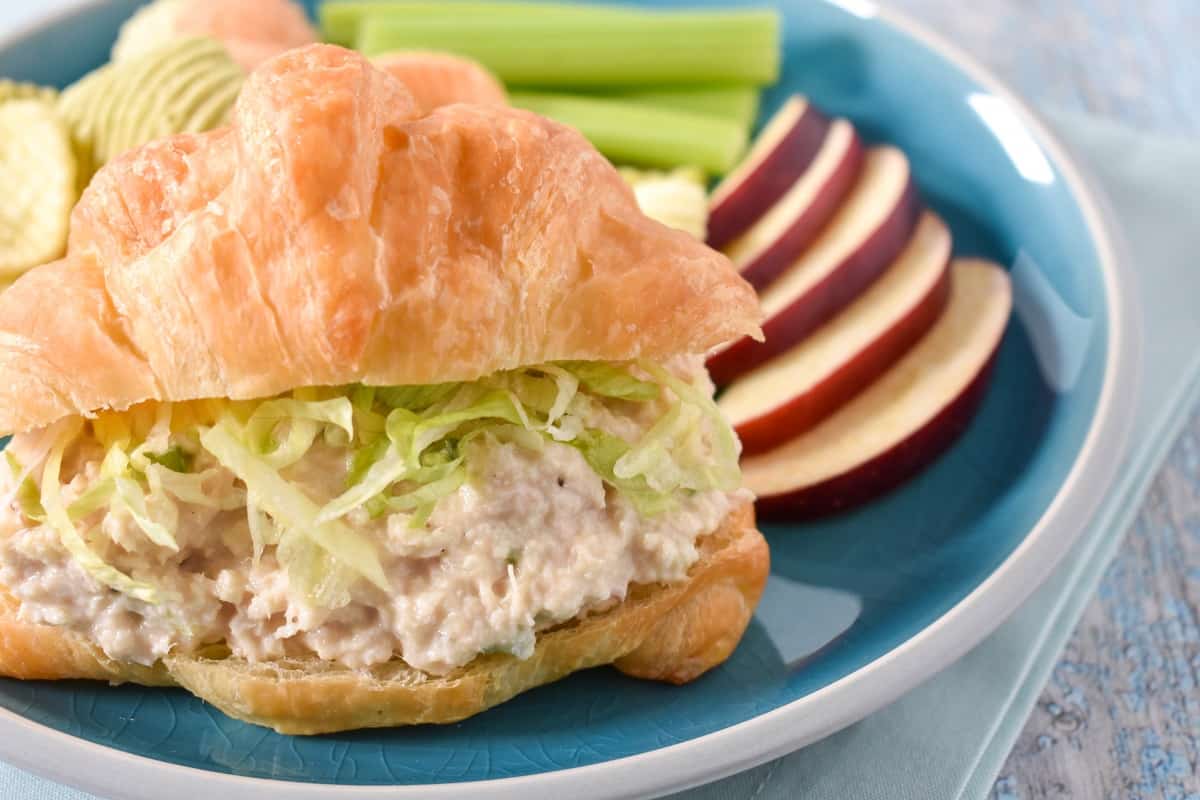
<point x="769" y="180"/>
<point x="807" y="410"/>
<point x="889" y="469"/>
<point x="803" y="230"/>
<point x="825" y="299"/>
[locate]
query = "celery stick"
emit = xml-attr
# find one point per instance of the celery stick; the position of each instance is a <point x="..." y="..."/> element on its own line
<point x="613" y="50"/>
<point x="632" y="133"/>
<point x="340" y="19"/>
<point x="735" y="103"/>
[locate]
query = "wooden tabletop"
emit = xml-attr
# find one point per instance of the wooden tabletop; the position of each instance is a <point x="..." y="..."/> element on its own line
<point x="1121" y="715"/>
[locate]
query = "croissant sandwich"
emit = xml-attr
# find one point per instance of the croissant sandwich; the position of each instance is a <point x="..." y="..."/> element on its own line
<point x="352" y="415"/>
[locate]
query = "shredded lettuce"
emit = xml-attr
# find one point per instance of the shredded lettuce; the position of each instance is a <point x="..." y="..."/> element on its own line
<point x="421" y="434"/>
<point x="303" y="419"/>
<point x="568" y="385"/>
<point x="422" y="457"/>
<point x="59" y="519"/>
<point x="711" y="449"/>
<point x="129" y="496"/>
<point x="97" y="496"/>
<point x="25" y="492"/>
<point x="291" y="508"/>
<point x="382" y="474"/>
<point x="422" y="501"/>
<point x="366" y="457"/>
<point x="192" y="488"/>
<point x="412" y="455"/>
<point x="263" y="532"/>
<point x="602" y="451"/>
<point x="612" y="380"/>
<point x="29" y="497"/>
<point x="175" y="459"/>
<point x="417" y="399"/>
<point x="313" y="572"/>
<point x="156" y="438"/>
<point x="547" y="391"/>
<point x="407" y="448"/>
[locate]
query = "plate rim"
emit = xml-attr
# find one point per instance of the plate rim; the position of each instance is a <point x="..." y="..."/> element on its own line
<point x="788" y="727"/>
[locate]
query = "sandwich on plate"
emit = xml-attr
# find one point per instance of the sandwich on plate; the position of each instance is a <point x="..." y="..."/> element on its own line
<point x="348" y="415"/>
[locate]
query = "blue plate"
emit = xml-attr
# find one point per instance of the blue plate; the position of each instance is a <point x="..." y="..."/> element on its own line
<point x="859" y="608"/>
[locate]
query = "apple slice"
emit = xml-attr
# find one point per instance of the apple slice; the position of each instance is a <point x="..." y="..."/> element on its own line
<point x="904" y="420"/>
<point x="777" y="159"/>
<point x="863" y="238"/>
<point x="793" y="392"/>
<point x="789" y="226"/>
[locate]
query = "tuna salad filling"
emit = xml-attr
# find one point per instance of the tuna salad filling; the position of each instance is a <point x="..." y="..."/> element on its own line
<point x="361" y="524"/>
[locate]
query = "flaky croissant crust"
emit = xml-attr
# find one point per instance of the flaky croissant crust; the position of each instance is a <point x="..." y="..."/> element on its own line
<point x="332" y="234"/>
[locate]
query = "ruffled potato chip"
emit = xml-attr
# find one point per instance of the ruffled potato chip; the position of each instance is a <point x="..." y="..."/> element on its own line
<point x="38" y="171"/>
<point x="19" y="90"/>
<point x="186" y="85"/>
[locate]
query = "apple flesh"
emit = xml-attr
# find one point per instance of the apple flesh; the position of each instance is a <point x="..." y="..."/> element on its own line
<point x="867" y="234"/>
<point x="793" y="392"/>
<point x="791" y="224"/>
<point x="904" y="420"/>
<point x="779" y="156"/>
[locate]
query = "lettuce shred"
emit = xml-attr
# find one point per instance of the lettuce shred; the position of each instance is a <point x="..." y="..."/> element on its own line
<point x="73" y="542"/>
<point x="408" y="447"/>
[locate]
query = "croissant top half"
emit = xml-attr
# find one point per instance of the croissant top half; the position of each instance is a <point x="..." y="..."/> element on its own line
<point x="333" y="234"/>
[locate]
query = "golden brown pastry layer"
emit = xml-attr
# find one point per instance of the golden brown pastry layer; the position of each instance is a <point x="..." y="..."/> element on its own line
<point x="441" y="79"/>
<point x="332" y="235"/>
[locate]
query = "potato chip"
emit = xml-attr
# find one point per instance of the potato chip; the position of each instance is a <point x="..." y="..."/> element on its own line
<point x="147" y="29"/>
<point x="37" y="169"/>
<point x="185" y="85"/>
<point x="19" y="90"/>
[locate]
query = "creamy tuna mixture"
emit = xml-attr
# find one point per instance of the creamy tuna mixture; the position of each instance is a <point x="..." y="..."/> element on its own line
<point x="533" y="539"/>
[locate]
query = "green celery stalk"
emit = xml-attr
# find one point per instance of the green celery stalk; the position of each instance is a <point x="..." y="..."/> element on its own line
<point x="642" y="135"/>
<point x="611" y="50"/>
<point x="341" y="19"/>
<point x="735" y="103"/>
